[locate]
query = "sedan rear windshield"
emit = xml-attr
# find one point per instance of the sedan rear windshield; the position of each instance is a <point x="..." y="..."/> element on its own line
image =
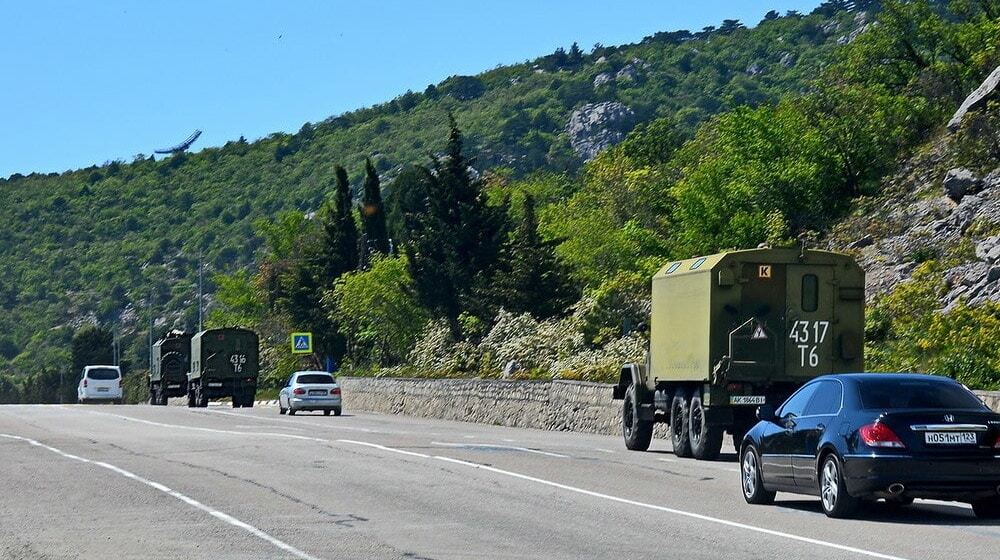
<point x="103" y="374"/>
<point x="315" y="378"/>
<point x="892" y="394"/>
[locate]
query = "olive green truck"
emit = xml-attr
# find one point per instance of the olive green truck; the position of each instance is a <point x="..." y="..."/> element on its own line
<point x="732" y="331"/>
<point x="224" y="363"/>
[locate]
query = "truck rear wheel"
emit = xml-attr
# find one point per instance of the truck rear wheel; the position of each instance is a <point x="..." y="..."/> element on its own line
<point x="191" y="397"/>
<point x="638" y="432"/>
<point x="706" y="440"/>
<point x="162" y="396"/>
<point x="200" y="396"/>
<point x="679" y="408"/>
<point x="152" y="395"/>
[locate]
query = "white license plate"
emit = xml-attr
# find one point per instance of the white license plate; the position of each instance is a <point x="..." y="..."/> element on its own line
<point x="215" y="384"/>
<point x="317" y="392"/>
<point x="746" y="399"/>
<point x="950" y="438"/>
<point x="173" y="386"/>
<point x="102" y="389"/>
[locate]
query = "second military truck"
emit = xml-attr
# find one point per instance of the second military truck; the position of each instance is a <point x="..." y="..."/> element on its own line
<point x="732" y="331"/>
<point x="168" y="371"/>
<point x="224" y="363"/>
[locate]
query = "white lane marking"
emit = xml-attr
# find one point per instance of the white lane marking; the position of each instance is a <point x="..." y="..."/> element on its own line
<point x="288" y="421"/>
<point x="498" y="446"/>
<point x="699" y="464"/>
<point x="604" y="450"/>
<point x="626" y="501"/>
<point x="175" y="494"/>
<point x="209" y="430"/>
<point x="384" y="448"/>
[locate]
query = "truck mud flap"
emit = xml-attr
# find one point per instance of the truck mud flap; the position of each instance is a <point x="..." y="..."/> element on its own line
<point x="719" y="416"/>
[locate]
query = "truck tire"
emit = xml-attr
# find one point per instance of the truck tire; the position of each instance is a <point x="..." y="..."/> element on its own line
<point x="190" y="397"/>
<point x="152" y="395"/>
<point x="201" y="396"/>
<point x="162" y="394"/>
<point x="638" y="433"/>
<point x="706" y="441"/>
<point x="679" y="408"/>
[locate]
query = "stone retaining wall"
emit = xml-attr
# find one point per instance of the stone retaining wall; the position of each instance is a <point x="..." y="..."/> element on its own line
<point x="576" y="406"/>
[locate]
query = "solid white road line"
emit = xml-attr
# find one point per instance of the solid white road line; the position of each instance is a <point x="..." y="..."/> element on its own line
<point x="497" y="446"/>
<point x="692" y="515"/>
<point x="175" y="494"/>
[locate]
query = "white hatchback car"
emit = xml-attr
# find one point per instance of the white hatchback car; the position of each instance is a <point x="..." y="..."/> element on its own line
<point x="310" y="390"/>
<point x="100" y="383"/>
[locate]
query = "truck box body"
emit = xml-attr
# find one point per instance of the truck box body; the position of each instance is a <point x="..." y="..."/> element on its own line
<point x="761" y="316"/>
<point x="172" y="358"/>
<point x="224" y="361"/>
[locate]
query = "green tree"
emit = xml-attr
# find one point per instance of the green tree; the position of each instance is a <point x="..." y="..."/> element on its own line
<point x="339" y="246"/>
<point x="377" y="312"/>
<point x="533" y="280"/>
<point x="455" y="240"/>
<point x="91" y="345"/>
<point x="373" y="224"/>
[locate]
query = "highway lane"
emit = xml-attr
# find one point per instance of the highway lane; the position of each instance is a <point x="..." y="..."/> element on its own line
<point x="169" y="482"/>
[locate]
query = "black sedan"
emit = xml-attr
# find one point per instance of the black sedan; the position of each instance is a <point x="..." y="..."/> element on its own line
<point x="855" y="438"/>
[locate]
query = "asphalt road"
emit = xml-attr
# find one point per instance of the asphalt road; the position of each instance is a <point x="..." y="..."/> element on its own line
<point x="169" y="482"/>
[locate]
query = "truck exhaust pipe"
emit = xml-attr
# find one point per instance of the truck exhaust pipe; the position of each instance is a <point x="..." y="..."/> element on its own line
<point x="896" y="489"/>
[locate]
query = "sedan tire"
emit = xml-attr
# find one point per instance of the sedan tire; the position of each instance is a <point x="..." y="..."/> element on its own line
<point x="834" y="498"/>
<point x="752" y="478"/>
<point x="337" y="411"/>
<point x="291" y="411"/>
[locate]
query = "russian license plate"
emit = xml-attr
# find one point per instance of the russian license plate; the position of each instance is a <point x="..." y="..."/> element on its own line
<point x="317" y="392"/>
<point x="950" y="438"/>
<point x="746" y="399"/>
<point x="102" y="389"/>
<point x="216" y="384"/>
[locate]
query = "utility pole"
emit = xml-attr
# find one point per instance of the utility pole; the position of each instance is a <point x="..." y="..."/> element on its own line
<point x="200" y="290"/>
<point x="151" y="296"/>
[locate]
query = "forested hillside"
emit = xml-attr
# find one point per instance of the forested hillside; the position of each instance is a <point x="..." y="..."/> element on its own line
<point x="501" y="245"/>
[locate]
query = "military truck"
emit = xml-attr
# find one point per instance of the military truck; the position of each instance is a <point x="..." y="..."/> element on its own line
<point x="733" y="331"/>
<point x="171" y="361"/>
<point x="224" y="363"/>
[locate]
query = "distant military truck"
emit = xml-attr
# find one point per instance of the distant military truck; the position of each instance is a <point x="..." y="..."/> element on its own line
<point x="224" y="363"/>
<point x="736" y="330"/>
<point x="171" y="361"/>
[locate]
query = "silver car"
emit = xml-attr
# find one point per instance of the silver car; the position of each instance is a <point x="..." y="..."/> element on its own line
<point x="310" y="390"/>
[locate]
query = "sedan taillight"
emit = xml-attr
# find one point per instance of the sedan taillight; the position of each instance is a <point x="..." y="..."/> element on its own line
<point x="996" y="444"/>
<point x="335" y="391"/>
<point x="299" y="391"/>
<point x="84" y="381"/>
<point x="880" y="435"/>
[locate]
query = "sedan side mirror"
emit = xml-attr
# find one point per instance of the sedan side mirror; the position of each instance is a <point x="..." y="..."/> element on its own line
<point x="766" y="413"/>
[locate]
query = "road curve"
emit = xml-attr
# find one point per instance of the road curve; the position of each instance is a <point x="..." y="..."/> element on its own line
<point x="170" y="482"/>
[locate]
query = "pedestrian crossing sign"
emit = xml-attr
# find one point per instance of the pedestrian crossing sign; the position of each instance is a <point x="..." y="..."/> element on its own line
<point x="302" y="343"/>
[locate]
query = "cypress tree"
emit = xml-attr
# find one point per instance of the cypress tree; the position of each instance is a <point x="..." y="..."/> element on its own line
<point x="533" y="280"/>
<point x="374" y="234"/>
<point x="455" y="239"/>
<point x="339" y="253"/>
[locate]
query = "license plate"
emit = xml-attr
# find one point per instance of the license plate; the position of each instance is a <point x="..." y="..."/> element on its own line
<point x="217" y="384"/>
<point x="950" y="438"/>
<point x="173" y="386"/>
<point x="102" y="389"/>
<point x="747" y="399"/>
<point x="317" y="392"/>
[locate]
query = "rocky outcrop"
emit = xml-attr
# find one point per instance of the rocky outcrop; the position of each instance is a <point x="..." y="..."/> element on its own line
<point x="597" y="126"/>
<point x="603" y="78"/>
<point x="977" y="99"/>
<point x="787" y="59"/>
<point x="959" y="182"/>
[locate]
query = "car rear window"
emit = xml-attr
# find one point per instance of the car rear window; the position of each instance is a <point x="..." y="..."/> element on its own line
<point x="899" y="393"/>
<point x="315" y="378"/>
<point x="103" y="374"/>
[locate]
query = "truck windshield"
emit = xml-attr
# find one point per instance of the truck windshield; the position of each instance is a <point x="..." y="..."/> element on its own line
<point x="103" y="374"/>
<point x="893" y="393"/>
<point x="316" y="378"/>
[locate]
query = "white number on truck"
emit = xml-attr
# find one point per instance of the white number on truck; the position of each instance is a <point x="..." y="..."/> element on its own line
<point x="808" y="336"/>
<point x="238" y="360"/>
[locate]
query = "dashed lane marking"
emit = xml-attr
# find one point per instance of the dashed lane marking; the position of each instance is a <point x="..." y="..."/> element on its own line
<point x="225" y="517"/>
<point x="498" y="446"/>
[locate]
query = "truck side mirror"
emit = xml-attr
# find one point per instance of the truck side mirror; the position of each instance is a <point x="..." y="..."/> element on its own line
<point x="766" y="413"/>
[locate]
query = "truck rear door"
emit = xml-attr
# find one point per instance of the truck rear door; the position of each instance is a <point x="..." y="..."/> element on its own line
<point x="809" y="336"/>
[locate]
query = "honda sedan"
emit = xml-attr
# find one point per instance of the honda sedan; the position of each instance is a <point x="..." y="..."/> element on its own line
<point x="855" y="438"/>
<point x="310" y="390"/>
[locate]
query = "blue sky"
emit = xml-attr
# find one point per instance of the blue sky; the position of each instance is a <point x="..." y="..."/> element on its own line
<point x="84" y="83"/>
